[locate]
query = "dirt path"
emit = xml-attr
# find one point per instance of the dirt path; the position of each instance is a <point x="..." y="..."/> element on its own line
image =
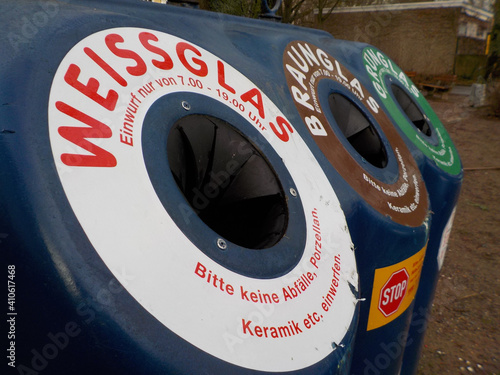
<point x="463" y="335"/>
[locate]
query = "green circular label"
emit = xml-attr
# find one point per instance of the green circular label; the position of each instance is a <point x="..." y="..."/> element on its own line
<point x="444" y="153"/>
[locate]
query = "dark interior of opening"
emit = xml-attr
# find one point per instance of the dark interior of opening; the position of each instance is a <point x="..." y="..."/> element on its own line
<point x="411" y="110"/>
<point x="358" y="130"/>
<point x="227" y="181"/>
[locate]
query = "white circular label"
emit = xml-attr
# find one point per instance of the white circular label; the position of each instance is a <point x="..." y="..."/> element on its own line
<point x="100" y="95"/>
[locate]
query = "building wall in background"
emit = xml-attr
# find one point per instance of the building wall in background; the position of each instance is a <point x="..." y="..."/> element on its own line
<point x="423" y="40"/>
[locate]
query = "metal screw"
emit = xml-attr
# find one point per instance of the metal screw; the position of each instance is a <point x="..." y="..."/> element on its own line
<point x="335" y="345"/>
<point x="222" y="244"/>
<point x="186" y="105"/>
<point x="293" y="192"/>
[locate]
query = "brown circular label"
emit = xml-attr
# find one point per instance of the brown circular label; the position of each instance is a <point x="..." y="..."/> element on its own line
<point x="405" y="200"/>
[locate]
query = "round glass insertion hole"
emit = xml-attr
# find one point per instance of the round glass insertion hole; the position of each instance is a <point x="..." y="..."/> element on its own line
<point x="358" y="130"/>
<point x="411" y="110"/>
<point x="227" y="181"/>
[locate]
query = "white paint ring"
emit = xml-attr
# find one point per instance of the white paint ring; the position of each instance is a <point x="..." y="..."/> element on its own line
<point x="103" y="173"/>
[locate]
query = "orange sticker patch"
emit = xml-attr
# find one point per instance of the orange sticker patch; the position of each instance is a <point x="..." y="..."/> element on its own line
<point x="394" y="288"/>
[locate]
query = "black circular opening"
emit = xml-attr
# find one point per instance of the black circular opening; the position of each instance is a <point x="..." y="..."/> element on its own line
<point x="358" y="130"/>
<point x="227" y="181"/>
<point x="411" y="109"/>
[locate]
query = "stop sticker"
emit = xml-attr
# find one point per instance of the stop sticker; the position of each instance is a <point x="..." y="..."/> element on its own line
<point x="393" y="292"/>
<point x="394" y="289"/>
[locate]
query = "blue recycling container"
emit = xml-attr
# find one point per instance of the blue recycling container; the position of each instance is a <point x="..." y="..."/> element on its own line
<point x="380" y="187"/>
<point x="187" y="191"/>
<point x="437" y="159"/>
<point x="163" y="206"/>
<point x="442" y="171"/>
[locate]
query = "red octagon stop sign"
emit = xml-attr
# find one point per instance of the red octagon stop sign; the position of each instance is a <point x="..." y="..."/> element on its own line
<point x="393" y="292"/>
